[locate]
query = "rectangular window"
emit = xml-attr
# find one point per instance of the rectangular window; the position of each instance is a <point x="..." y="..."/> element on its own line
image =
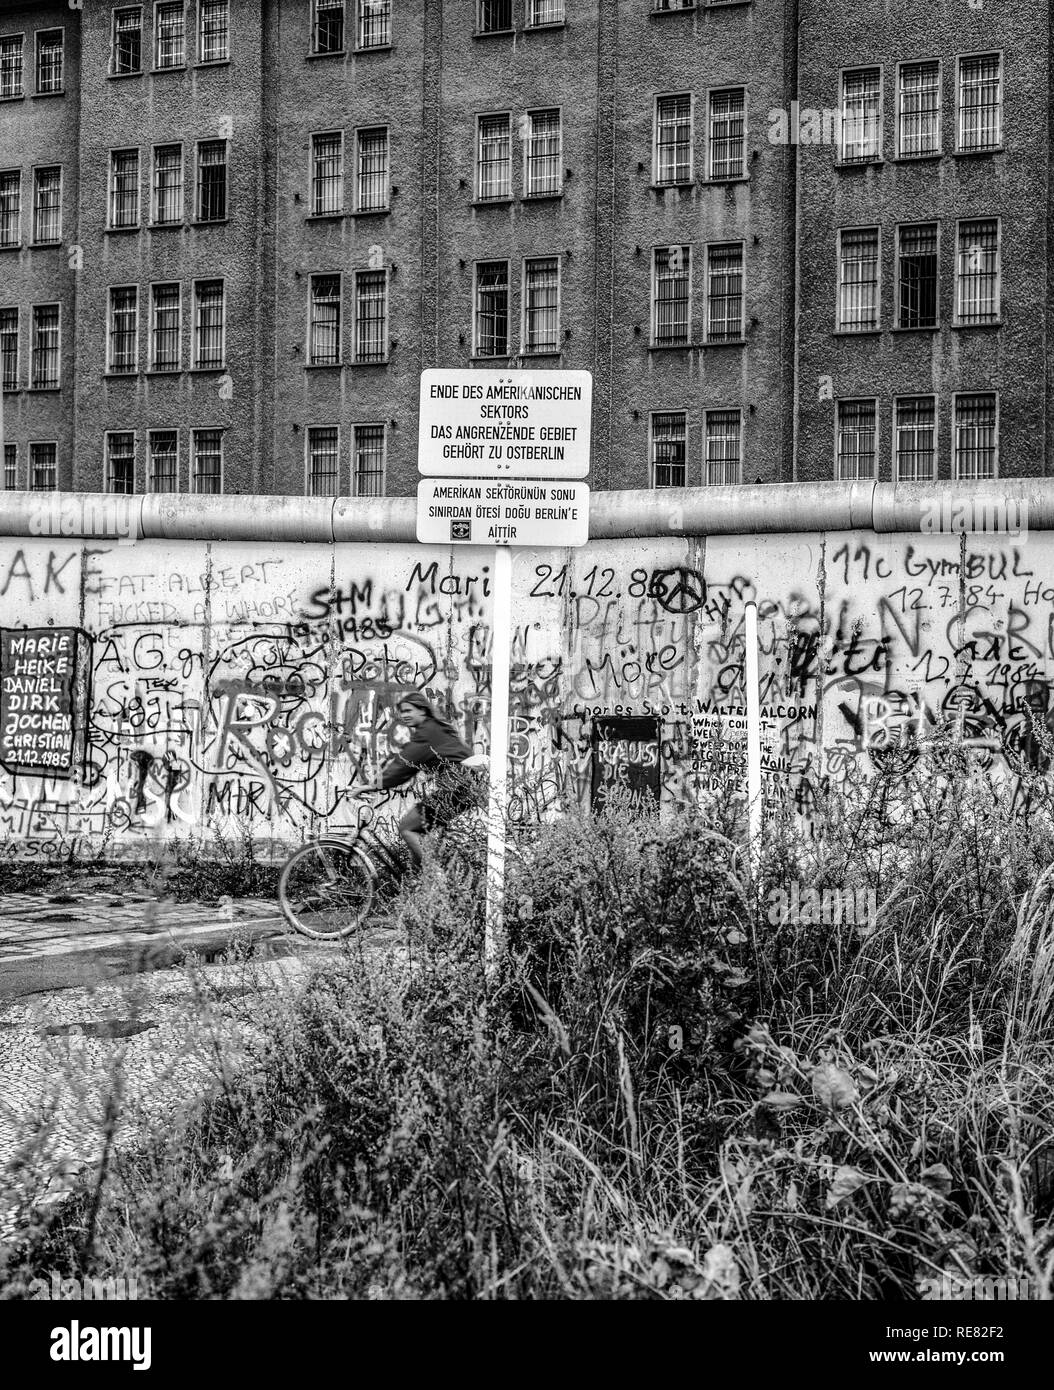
<point x="166" y="348"/>
<point x="543" y="157"/>
<point x="540" y="12"/>
<point x="47" y="206"/>
<point x="541" y="305"/>
<point x="329" y="26"/>
<point x="368" y="459"/>
<point x="323" y="461"/>
<point x="127" y="41"/>
<point x="857" y="432"/>
<point x="671" y="296"/>
<point x="492" y="309"/>
<point x="124" y="188"/>
<point x="724" y="293"/>
<point x="11" y="207"/>
<point x="917" y="275"/>
<point x="327" y="176"/>
<point x="123" y="338"/>
<point x="977" y="272"/>
<point x="371" y="189"/>
<point x="728" y="138"/>
<point x="9" y="349"/>
<point x="724" y="448"/>
<point x="206" y="465"/>
<point x="324" y="345"/>
<point x="12" y="83"/>
<point x="45" y="357"/>
<point x="208" y="323"/>
<point x="371" y="315"/>
<point x="212" y="181"/>
<point x="120" y="462"/>
<point x="668" y="443"/>
<point x="214" y="39"/>
<point x="858" y="279"/>
<point x="976" y="436"/>
<point x="170" y="40"/>
<point x="10" y="467"/>
<point x="673" y="139"/>
<point x="375" y="23"/>
<point x="919" y="110"/>
<point x="493" y="16"/>
<point x="494" y="158"/>
<point x="49" y="61"/>
<point x="168" y="184"/>
<point x="915" y="439"/>
<point x="861" y="115"/>
<point x="164" y="461"/>
<point x="980" y="102"/>
<point x="43" y="467"/>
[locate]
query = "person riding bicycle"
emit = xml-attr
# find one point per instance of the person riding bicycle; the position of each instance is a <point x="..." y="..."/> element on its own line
<point x="434" y="745"/>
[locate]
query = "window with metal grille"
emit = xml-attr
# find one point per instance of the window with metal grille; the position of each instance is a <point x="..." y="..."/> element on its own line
<point x="541" y="12"/>
<point x="165" y="335"/>
<point x="9" y="349"/>
<point x="541" y="305"/>
<point x="494" y="158"/>
<point x="208" y="323"/>
<point x="123" y="353"/>
<point x="164" y="461"/>
<point x="919" y="109"/>
<point x="327" y="178"/>
<point x="673" y="139"/>
<point x="369" y="449"/>
<point x="45" y="361"/>
<point x="915" y="439"/>
<point x="214" y="40"/>
<point x="49" y="61"/>
<point x="323" y="461"/>
<point x="168" y="184"/>
<point x="47" y="205"/>
<point x="917" y="275"/>
<point x="371" y="315"/>
<point x="728" y="154"/>
<point x="492" y="16"/>
<point x="981" y="102"/>
<point x="206" y="469"/>
<point x="492" y="309"/>
<point x="120" y="462"/>
<point x="324" y="344"/>
<point x="857" y="432"/>
<point x="375" y="23"/>
<point x="543" y="153"/>
<point x="724" y="448"/>
<point x="170" y="49"/>
<point x="10" y="467"/>
<point x="858" y="270"/>
<point x="43" y="467"/>
<point x="11" y="68"/>
<point x="371" y="192"/>
<point x="977" y="277"/>
<point x="212" y="181"/>
<point x="127" y="41"/>
<point x="668" y="443"/>
<point x="671" y="295"/>
<point x="725" y="293"/>
<point x="976" y="436"/>
<point x="666" y="6"/>
<point x="11" y="207"/>
<point x="329" y="26"/>
<point x="124" y="188"/>
<point x="861" y="115"/>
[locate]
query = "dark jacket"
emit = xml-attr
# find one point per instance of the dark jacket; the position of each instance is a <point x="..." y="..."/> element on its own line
<point x="432" y="744"/>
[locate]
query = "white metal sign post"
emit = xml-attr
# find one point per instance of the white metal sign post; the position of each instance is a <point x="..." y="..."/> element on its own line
<point x="754" y="807"/>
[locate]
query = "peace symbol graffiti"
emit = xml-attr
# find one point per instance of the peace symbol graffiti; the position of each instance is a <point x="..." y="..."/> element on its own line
<point x="678" y="590"/>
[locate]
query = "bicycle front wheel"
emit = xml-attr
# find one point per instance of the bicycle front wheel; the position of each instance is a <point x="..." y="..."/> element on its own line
<point x="326" y="889"/>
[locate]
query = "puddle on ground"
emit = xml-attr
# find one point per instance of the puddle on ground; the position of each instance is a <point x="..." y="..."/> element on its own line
<point x="100" y="1028"/>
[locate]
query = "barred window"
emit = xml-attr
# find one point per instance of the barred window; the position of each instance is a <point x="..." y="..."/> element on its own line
<point x="371" y="315"/>
<point x="861" y="115"/>
<point x="981" y="102"/>
<point x="47" y="205"/>
<point x="324" y="345"/>
<point x="128" y="41"/>
<point x="327" y="178"/>
<point x="857" y="440"/>
<point x="212" y="181"/>
<point x="724" y="448"/>
<point x="858" y="284"/>
<point x="11" y="74"/>
<point x="323" y="461"/>
<point x="169" y="36"/>
<point x="541" y="12"/>
<point x="372" y="182"/>
<point x="369" y="460"/>
<point x="728" y="153"/>
<point x="671" y="295"/>
<point x="492" y="309"/>
<point x="917" y="275"/>
<point x="668" y="6"/>
<point x="124" y="188"/>
<point x="120" y="462"/>
<point x="208" y="323"/>
<point x="977" y="278"/>
<point x="49" y="61"/>
<point x="673" y="139"/>
<point x="9" y="349"/>
<point x="493" y="16"/>
<point x="164" y="461"/>
<point x="725" y="293"/>
<point x="206" y="466"/>
<point x="165" y="329"/>
<point x="214" y="42"/>
<point x="45" y="360"/>
<point x="43" y="467"/>
<point x="543" y="152"/>
<point x="11" y="207"/>
<point x="919" y="109"/>
<point x="168" y="184"/>
<point x="10" y="467"/>
<point x="329" y="26"/>
<point x="494" y="158"/>
<point x="123" y="338"/>
<point x="916" y="438"/>
<point x="976" y="436"/>
<point x="668" y="443"/>
<point x="375" y="23"/>
<point x="541" y="305"/>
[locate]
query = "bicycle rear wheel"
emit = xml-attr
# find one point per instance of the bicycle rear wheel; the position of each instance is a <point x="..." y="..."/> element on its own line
<point x="326" y="889"/>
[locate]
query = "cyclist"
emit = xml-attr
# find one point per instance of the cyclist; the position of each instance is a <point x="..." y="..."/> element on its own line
<point x="434" y="744"/>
